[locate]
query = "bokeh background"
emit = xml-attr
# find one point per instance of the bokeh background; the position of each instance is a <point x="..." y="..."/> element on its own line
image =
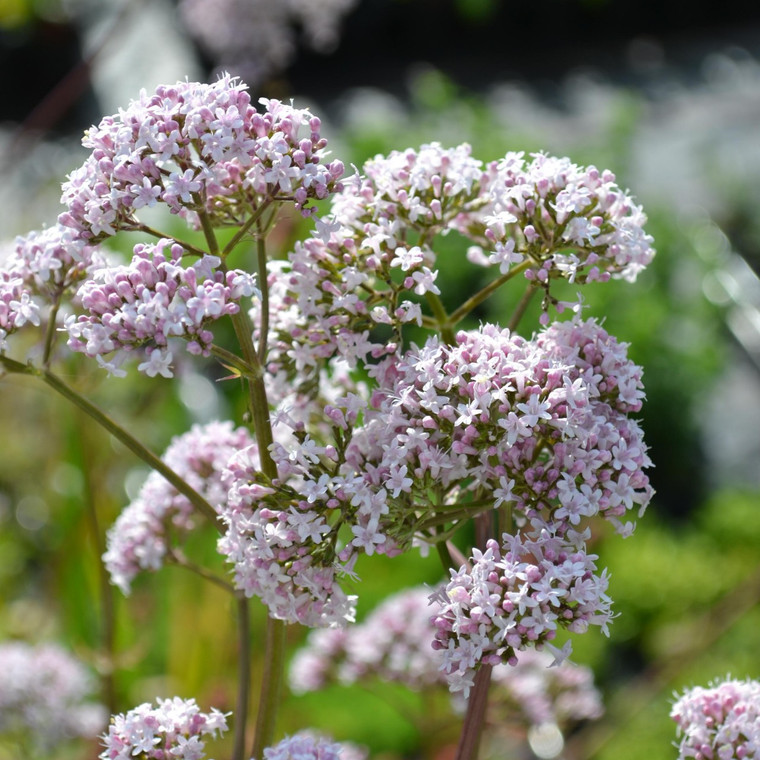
<point x="666" y="94"/>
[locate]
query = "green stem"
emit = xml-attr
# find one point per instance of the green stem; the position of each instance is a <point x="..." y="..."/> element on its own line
<point x="445" y="555"/>
<point x="274" y="655"/>
<point x="178" y="558"/>
<point x="521" y="307"/>
<point x="274" y="658"/>
<point x="244" y="676"/>
<point x="232" y="361"/>
<point x="263" y="431"/>
<point x="208" y="233"/>
<point x="50" y="333"/>
<point x="470" y="510"/>
<point x="253" y="219"/>
<point x="118" y="432"/>
<point x="442" y="319"/>
<point x="189" y="247"/>
<point x="469" y="741"/>
<point x="257" y="396"/>
<point x="274" y="664"/>
<point x="474" y="301"/>
<point x="261" y="251"/>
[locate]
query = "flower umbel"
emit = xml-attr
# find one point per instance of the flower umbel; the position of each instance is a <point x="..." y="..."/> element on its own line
<point x="720" y="722"/>
<point x="170" y="728"/>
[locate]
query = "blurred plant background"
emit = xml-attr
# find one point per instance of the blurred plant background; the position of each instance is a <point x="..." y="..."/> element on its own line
<point x="667" y="95"/>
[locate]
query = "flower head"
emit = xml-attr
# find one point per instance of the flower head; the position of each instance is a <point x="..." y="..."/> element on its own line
<point x="44" y="694"/>
<point x="306" y="745"/>
<point x="196" y="148"/>
<point x="154" y="299"/>
<point x="567" y="220"/>
<point x="721" y="721"/>
<point x="538" y="424"/>
<point x="175" y="727"/>
<point x="39" y="269"/>
<point x="139" y="539"/>
<point x="513" y="597"/>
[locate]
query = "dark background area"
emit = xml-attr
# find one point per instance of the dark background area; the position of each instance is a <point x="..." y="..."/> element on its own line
<point x="474" y="42"/>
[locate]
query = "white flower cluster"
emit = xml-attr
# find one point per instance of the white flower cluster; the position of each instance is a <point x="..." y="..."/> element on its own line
<point x="44" y="695"/>
<point x="196" y="148"/>
<point x="721" y="721"/>
<point x="140" y="537"/>
<point x="276" y="541"/>
<point x="144" y="305"/>
<point x="377" y="253"/>
<point x="515" y="598"/>
<point x="36" y="270"/>
<point x="173" y="728"/>
<point x="572" y="222"/>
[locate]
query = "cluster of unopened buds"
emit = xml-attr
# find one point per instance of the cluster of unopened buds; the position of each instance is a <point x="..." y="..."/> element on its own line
<point x="150" y="301"/>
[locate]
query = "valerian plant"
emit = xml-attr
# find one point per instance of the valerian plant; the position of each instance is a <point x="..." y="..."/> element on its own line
<point x="358" y="440"/>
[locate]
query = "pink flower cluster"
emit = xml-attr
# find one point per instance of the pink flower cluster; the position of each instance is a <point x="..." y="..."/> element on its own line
<point x="514" y="598"/>
<point x="393" y="643"/>
<point x="360" y="272"/>
<point x="305" y="745"/>
<point x="39" y="268"/>
<point x="144" y="304"/>
<point x="377" y="254"/>
<point x="721" y="722"/>
<point x="173" y="728"/>
<point x="196" y="148"/>
<point x="539" y="425"/>
<point x="140" y="537"/>
<point x="569" y="221"/>
<point x="280" y="542"/>
<point x="44" y="695"/>
<point x="17" y="306"/>
<point x="540" y="692"/>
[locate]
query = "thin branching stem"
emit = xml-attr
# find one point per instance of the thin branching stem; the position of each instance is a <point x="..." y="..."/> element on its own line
<point x="117" y="431"/>
<point x="442" y="320"/>
<point x="271" y="683"/>
<point x="261" y="256"/>
<point x="244" y="674"/>
<point x="50" y="332"/>
<point x="240" y="234"/>
<point x="189" y="247"/>
<point x="474" y="301"/>
<point x="177" y="557"/>
<point x="274" y="653"/>
<point x="232" y="361"/>
<point x="263" y="433"/>
<point x="521" y="307"/>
